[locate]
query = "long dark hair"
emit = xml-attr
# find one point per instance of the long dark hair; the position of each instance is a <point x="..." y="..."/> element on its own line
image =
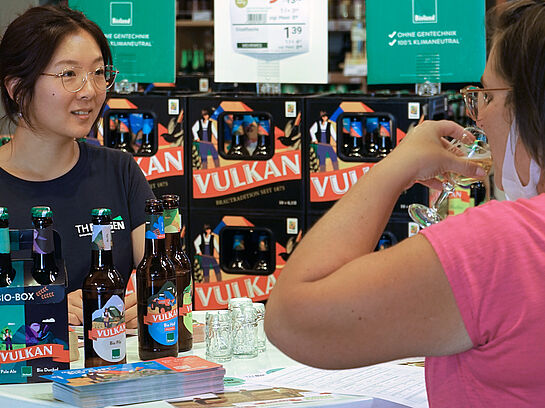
<point x="28" y="46"/>
<point x="517" y="31"/>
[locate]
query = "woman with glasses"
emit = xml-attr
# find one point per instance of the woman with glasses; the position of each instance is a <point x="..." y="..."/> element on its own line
<point x="469" y="292"/>
<point x="55" y="70"/>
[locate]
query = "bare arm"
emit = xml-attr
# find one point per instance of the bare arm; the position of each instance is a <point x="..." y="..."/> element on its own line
<point x="336" y="294"/>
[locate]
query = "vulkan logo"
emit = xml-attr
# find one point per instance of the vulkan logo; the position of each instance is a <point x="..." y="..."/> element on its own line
<point x="333" y="185"/>
<point x="95" y="334"/>
<point x="166" y="163"/>
<point x="243" y="176"/>
<point x="162" y="317"/>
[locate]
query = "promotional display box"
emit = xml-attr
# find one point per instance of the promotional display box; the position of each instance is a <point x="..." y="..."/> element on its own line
<point x="34" y="318"/>
<point x="220" y="243"/>
<point x="246" y="152"/>
<point x="152" y="128"/>
<point x="349" y="134"/>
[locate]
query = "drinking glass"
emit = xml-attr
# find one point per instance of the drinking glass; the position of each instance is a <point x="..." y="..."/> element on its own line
<point x="219" y="335"/>
<point x="472" y="148"/>
<point x="245" y="332"/>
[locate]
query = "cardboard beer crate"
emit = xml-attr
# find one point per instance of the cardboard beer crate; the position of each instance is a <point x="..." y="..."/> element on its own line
<point x="221" y="179"/>
<point x="215" y="280"/>
<point x="33" y="318"/>
<point x="333" y="169"/>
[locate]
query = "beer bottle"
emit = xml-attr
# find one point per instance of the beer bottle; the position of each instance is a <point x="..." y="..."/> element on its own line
<point x="385" y="138"/>
<point x="355" y="148"/>
<point x="103" y="295"/>
<point x="44" y="268"/>
<point x="262" y="263"/>
<point x="263" y="137"/>
<point x="147" y="136"/>
<point x="156" y="291"/>
<point x="238" y="138"/>
<point x="124" y="134"/>
<point x="239" y="248"/>
<point x="7" y="273"/>
<point x="182" y="265"/>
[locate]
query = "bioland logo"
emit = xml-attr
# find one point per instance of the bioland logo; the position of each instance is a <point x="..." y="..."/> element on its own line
<point x="424" y="11"/>
<point x="121" y="13"/>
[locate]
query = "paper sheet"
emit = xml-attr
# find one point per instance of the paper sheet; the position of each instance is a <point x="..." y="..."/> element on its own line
<point x="400" y="384"/>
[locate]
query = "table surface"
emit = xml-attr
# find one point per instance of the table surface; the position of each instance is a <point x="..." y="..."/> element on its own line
<point x="40" y="394"/>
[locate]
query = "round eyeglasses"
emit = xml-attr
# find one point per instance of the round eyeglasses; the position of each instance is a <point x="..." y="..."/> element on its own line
<point x="475" y="98"/>
<point x="74" y="78"/>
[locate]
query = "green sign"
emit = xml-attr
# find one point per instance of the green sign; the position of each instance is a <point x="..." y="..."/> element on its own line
<point x="413" y="41"/>
<point x="141" y="34"/>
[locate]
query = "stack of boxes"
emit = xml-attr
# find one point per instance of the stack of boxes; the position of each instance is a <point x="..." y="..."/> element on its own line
<point x="253" y="172"/>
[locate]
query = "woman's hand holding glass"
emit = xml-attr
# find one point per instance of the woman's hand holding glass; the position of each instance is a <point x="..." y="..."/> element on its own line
<point x="471" y="147"/>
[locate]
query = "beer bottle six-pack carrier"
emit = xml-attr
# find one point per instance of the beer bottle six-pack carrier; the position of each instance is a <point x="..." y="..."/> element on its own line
<point x="33" y="305"/>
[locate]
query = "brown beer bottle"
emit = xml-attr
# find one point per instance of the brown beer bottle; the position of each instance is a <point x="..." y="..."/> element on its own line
<point x="182" y="265"/>
<point x="7" y="273"/>
<point x="103" y="295"/>
<point x="156" y="292"/>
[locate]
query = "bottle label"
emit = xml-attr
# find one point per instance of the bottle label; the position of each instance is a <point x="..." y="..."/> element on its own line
<point x="43" y="241"/>
<point x="172" y="220"/>
<point x="155" y="227"/>
<point x="108" y="330"/>
<point x="4" y="241"/>
<point x="102" y="238"/>
<point x="187" y="308"/>
<point x="162" y="315"/>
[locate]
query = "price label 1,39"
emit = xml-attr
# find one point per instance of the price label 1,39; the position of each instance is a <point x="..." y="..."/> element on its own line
<point x="270" y="26"/>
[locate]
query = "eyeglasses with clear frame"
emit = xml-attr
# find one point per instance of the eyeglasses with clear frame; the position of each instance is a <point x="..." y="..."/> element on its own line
<point x="74" y="78"/>
<point x="475" y="98"/>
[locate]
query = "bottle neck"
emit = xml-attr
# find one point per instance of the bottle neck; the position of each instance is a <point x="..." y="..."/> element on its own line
<point x="101" y="258"/>
<point x="173" y="225"/>
<point x="155" y="247"/>
<point x="4" y="240"/>
<point x="43" y="241"/>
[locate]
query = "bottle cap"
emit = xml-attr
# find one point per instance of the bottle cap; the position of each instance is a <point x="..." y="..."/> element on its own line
<point x="4" y="213"/>
<point x="101" y="212"/>
<point x="170" y="201"/>
<point x="41" y="212"/>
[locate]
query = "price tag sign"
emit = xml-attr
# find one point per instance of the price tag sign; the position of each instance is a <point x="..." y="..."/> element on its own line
<point x="270" y="41"/>
<point x="270" y="27"/>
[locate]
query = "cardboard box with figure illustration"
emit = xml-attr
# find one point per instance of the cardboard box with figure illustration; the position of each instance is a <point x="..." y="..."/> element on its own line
<point x="348" y="135"/>
<point x="238" y="254"/>
<point x="33" y="317"/>
<point x="246" y="152"/>
<point x="152" y="128"/>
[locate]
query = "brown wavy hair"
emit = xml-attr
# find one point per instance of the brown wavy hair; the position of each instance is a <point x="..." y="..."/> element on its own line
<point x="27" y="47"/>
<point x="517" y="33"/>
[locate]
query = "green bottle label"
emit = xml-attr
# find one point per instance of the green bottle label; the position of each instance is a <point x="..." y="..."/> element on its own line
<point x="173" y="221"/>
<point x="4" y="241"/>
<point x="102" y="238"/>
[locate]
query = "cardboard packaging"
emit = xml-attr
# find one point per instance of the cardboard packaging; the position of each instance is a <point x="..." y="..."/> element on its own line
<point x="349" y="134"/>
<point x="246" y="152"/>
<point x="34" y="318"/>
<point x="216" y="277"/>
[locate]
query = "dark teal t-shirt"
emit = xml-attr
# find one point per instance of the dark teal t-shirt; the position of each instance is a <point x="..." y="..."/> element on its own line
<point x="102" y="177"/>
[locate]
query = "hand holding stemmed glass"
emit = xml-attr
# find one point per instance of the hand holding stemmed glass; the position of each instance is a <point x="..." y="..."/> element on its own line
<point x="474" y="148"/>
<point x="471" y="146"/>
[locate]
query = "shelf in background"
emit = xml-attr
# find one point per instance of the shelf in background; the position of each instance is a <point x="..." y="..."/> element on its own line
<point x="340" y="78"/>
<point x="194" y="23"/>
